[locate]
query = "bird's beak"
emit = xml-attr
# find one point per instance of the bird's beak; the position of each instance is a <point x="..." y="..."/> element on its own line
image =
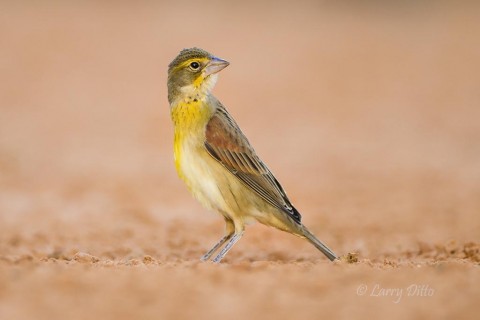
<point x="215" y="65"/>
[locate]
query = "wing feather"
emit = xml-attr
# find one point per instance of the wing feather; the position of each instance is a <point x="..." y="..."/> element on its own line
<point x="227" y="144"/>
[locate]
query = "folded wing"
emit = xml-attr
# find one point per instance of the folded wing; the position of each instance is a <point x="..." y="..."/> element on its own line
<point x="227" y="144"/>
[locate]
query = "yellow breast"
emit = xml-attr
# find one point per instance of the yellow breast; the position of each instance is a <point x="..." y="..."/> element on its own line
<point x="190" y="120"/>
<point x="208" y="181"/>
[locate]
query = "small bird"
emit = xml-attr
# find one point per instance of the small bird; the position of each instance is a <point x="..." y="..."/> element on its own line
<point x="217" y="163"/>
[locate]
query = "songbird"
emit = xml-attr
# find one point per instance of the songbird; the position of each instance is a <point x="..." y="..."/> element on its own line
<point x="217" y="163"/>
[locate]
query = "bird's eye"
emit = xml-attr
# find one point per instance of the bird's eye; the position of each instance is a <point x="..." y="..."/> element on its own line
<point x="194" y="65"/>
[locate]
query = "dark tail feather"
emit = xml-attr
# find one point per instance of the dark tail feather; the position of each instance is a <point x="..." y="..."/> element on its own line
<point x="319" y="245"/>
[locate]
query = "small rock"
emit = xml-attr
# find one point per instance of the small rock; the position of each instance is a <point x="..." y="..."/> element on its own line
<point x="148" y="260"/>
<point x="83" y="257"/>
<point x="351" y="257"/>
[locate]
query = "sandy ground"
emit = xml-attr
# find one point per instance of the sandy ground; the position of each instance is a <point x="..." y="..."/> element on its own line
<point x="368" y="115"/>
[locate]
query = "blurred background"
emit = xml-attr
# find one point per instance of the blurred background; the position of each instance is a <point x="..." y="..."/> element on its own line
<point x="367" y="112"/>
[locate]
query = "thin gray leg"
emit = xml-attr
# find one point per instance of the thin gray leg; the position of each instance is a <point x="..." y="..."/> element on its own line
<point x="229" y="231"/>
<point x="227" y="248"/>
<point x="207" y="255"/>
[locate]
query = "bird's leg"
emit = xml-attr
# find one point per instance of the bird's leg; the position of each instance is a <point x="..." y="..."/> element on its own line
<point x="227" y="248"/>
<point x="207" y="255"/>
<point x="230" y="229"/>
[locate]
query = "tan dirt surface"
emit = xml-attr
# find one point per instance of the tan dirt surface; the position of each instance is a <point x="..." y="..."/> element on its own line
<point x="369" y="115"/>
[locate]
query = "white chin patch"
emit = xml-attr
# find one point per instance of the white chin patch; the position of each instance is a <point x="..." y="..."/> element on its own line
<point x="209" y="82"/>
<point x="203" y="90"/>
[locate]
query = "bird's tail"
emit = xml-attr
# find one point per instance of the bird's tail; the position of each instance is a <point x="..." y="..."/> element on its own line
<point x="318" y="244"/>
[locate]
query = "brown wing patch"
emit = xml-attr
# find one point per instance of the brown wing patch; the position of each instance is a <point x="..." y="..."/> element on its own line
<point x="218" y="136"/>
<point x="228" y="145"/>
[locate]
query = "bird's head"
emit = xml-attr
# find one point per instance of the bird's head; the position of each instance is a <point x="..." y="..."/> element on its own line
<point x="193" y="72"/>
